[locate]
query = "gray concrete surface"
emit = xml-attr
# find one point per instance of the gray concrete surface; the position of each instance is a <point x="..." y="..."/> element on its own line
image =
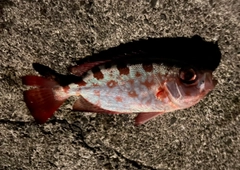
<point x="55" y="33"/>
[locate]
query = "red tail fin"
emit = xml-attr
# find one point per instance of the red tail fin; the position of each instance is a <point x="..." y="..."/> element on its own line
<point x="40" y="101"/>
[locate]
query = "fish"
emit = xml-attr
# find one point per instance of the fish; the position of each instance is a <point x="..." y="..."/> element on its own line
<point x="122" y="82"/>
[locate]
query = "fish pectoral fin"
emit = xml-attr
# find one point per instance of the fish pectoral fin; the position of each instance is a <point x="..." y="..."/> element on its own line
<point x="83" y="105"/>
<point x="144" y="117"/>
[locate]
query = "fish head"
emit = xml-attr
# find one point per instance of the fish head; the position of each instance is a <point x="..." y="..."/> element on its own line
<point x="189" y="86"/>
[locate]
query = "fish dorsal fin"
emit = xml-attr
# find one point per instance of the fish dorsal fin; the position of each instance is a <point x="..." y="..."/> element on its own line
<point x="83" y="105"/>
<point x="144" y="117"/>
<point x="80" y="69"/>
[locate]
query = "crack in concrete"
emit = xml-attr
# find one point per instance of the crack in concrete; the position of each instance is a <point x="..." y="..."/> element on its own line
<point x="133" y="162"/>
<point x="81" y="137"/>
<point x="22" y="123"/>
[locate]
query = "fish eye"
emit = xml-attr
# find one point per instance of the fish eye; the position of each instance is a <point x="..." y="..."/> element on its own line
<point x="187" y="75"/>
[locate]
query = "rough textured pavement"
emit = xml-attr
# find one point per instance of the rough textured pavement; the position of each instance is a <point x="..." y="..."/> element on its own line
<point x="56" y="33"/>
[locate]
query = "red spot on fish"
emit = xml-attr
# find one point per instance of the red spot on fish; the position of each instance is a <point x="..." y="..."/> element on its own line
<point x="95" y="84"/>
<point x="66" y="88"/>
<point x="97" y="92"/>
<point x="138" y="74"/>
<point x="131" y="81"/>
<point x="82" y="83"/>
<point x="132" y="94"/>
<point x="124" y="70"/>
<point x="98" y="75"/>
<point x="148" y="67"/>
<point x="148" y="84"/>
<point x="111" y="83"/>
<point x="161" y="94"/>
<point x="119" y="99"/>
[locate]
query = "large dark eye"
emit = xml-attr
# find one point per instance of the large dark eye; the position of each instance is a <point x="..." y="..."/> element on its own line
<point x="187" y="75"/>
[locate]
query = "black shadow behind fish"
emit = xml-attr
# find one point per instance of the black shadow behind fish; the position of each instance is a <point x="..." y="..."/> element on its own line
<point x="179" y="51"/>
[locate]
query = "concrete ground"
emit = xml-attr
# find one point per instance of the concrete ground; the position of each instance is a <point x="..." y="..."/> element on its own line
<point x="56" y="33"/>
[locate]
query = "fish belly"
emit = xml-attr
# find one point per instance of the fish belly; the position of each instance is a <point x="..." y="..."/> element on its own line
<point x="126" y="98"/>
<point x="119" y="100"/>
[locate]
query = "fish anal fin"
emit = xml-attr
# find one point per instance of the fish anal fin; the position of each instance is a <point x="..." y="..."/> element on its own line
<point x="83" y="105"/>
<point x="144" y="117"/>
<point x="80" y="69"/>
